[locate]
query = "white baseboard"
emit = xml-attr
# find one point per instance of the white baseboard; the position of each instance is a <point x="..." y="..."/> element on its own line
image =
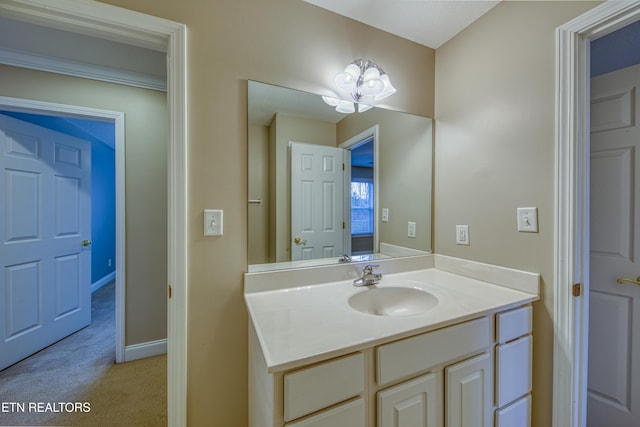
<point x="145" y="349"/>
<point x="100" y="283"/>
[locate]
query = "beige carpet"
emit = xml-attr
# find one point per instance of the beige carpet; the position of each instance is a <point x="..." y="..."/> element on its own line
<point x="76" y="383"/>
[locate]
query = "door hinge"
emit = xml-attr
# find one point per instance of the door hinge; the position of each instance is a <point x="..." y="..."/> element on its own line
<point x="576" y="289"/>
<point x="170" y="291"/>
<point x="343" y="225"/>
<point x="343" y="167"/>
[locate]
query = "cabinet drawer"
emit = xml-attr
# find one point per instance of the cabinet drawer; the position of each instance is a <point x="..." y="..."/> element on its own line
<point x="348" y="415"/>
<point x="310" y="389"/>
<point x="513" y="324"/>
<point x="412" y="356"/>
<point x="513" y="370"/>
<point x="517" y="414"/>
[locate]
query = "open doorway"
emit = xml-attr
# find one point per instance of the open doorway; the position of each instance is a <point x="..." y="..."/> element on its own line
<point x="170" y="37"/>
<point x="572" y="205"/>
<point x="362" y="193"/>
<point x="362" y="203"/>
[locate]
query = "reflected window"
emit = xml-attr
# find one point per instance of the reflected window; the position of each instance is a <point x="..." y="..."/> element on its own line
<point x="361" y="206"/>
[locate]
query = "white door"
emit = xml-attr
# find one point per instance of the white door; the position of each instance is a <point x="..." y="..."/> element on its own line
<point x="316" y="201"/>
<point x="45" y="225"/>
<point x="614" y="309"/>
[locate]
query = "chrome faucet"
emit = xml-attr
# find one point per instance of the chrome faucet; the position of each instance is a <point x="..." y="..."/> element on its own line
<point x="345" y="258"/>
<point x="368" y="276"/>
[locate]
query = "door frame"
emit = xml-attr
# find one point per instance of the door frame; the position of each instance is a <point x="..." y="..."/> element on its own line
<point x="117" y="118"/>
<point x="126" y="26"/>
<point x="571" y="216"/>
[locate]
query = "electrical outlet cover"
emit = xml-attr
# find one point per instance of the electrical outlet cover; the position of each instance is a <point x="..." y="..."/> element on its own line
<point x="385" y="214"/>
<point x="462" y="235"/>
<point x="411" y="229"/>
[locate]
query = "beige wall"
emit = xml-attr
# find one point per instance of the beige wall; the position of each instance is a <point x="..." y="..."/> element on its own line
<point x="284" y="42"/>
<point x="146" y="183"/>
<point x="495" y="152"/>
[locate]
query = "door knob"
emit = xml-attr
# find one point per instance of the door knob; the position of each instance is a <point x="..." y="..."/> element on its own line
<point x="622" y="281"/>
<point x="86" y="243"/>
<point x="298" y="241"/>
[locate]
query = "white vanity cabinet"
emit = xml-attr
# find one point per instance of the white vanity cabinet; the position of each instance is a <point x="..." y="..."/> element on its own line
<point x="458" y="376"/>
<point x="315" y="360"/>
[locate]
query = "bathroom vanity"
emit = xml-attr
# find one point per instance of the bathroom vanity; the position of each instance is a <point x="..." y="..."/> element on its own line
<point x="439" y="341"/>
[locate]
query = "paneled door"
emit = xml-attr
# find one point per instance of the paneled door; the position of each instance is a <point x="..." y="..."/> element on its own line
<point x="316" y="201"/>
<point x="45" y="229"/>
<point x="614" y="308"/>
<point x="415" y="403"/>
<point x="469" y="394"/>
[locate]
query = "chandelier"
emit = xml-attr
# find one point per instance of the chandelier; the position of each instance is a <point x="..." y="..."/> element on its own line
<point x="365" y="82"/>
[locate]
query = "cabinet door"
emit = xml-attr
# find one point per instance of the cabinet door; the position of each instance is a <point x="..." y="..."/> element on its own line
<point x="469" y="396"/>
<point x="415" y="403"/>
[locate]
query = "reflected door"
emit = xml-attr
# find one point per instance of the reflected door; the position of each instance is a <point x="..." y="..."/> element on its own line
<point x="45" y="188"/>
<point x="317" y="224"/>
<point x="614" y="309"/>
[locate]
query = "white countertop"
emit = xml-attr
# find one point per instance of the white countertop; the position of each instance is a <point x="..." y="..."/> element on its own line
<point x="301" y="325"/>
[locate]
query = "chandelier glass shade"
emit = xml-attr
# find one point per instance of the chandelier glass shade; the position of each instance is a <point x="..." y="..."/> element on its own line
<point x="363" y="81"/>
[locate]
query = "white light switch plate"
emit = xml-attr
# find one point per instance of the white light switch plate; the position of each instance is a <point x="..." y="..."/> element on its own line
<point x="528" y="220"/>
<point x="212" y="222"/>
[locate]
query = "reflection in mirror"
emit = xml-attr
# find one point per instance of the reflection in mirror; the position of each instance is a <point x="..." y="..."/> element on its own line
<point x="326" y="187"/>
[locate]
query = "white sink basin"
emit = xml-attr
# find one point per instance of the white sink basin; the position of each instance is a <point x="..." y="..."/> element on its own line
<point x="393" y="301"/>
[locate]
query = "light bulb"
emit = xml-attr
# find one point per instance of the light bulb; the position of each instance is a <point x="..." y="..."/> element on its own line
<point x="347" y="79"/>
<point x="371" y="83"/>
<point x="388" y="89"/>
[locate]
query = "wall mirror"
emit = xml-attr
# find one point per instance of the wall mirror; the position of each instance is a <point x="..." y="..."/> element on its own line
<point x="327" y="187"/>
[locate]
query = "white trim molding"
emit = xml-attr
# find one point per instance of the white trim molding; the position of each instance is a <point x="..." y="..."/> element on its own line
<point x="144" y="350"/>
<point x="571" y="236"/>
<point x="103" y="281"/>
<point x="80" y="69"/>
<point x="97" y="19"/>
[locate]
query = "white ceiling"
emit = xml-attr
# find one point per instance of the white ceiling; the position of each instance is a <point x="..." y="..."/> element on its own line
<point x="427" y="22"/>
